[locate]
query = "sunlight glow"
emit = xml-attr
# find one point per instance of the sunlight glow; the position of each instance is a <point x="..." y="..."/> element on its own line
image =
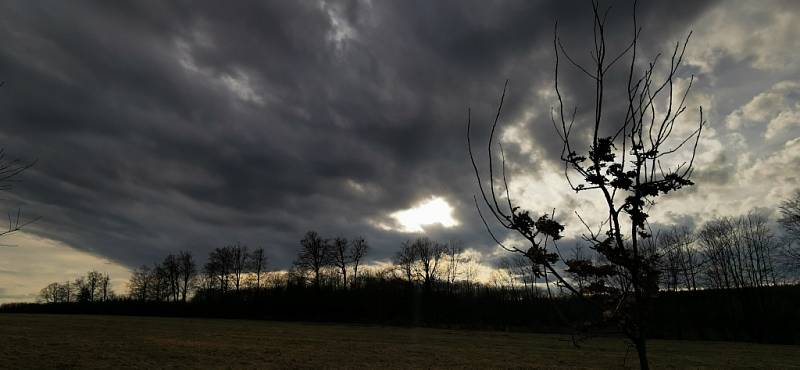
<point x="29" y="262"/>
<point x="431" y="211"/>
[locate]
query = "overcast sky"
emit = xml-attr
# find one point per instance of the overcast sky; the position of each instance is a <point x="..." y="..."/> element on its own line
<point x="167" y="125"/>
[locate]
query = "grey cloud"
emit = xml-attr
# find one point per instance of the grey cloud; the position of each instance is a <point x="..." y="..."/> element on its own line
<point x="172" y="125"/>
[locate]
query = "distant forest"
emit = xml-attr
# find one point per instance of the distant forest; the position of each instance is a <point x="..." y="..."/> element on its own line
<point x="732" y="279"/>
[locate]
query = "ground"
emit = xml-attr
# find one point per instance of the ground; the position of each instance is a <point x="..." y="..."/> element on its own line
<point x="76" y="341"/>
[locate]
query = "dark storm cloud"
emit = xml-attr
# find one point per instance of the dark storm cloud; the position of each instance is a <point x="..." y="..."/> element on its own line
<point x="168" y="125"/>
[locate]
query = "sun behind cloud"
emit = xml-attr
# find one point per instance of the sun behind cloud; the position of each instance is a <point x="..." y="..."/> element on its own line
<point x="434" y="210"/>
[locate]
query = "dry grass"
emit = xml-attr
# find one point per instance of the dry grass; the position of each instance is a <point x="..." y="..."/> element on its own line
<point x="73" y="341"/>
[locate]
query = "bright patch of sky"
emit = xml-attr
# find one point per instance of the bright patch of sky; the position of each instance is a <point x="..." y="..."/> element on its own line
<point x="434" y="210"/>
<point x="28" y="263"/>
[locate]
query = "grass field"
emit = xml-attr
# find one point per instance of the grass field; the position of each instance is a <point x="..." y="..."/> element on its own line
<point x="73" y="341"/>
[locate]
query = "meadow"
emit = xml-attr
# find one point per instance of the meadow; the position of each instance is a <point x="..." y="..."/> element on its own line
<point x="93" y="341"/>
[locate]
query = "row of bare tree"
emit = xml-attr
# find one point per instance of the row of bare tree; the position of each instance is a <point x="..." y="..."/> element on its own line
<point x="732" y="252"/>
<point x="318" y="255"/>
<point x="174" y="279"/>
<point x="790" y="221"/>
<point x="428" y="262"/>
<point x="94" y="287"/>
<point x="336" y="262"/>
<point x="171" y="280"/>
<point x="726" y="252"/>
<point x="232" y="267"/>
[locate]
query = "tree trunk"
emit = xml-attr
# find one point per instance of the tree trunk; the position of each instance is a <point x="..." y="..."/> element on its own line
<point x="641" y="350"/>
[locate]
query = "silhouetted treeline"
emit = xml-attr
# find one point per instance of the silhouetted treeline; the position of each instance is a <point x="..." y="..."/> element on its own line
<point x="767" y="314"/>
<point x="171" y="280"/>
<point x="726" y="252"/>
<point x="732" y="279"/>
<point x="93" y="287"/>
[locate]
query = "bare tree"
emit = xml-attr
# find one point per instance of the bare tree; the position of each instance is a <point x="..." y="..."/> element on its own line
<point x="455" y="262"/>
<point x="159" y="285"/>
<point x="679" y="259"/>
<point x="64" y="292"/>
<point x="405" y="259"/>
<point x="314" y="256"/>
<point x="628" y="164"/>
<point x="470" y="272"/>
<point x="717" y="247"/>
<point x="681" y="242"/>
<point x="81" y="292"/>
<point x="50" y="293"/>
<point x="67" y="292"/>
<point x="669" y="263"/>
<point x="187" y="272"/>
<point x="790" y="221"/>
<point x="341" y="257"/>
<point x="218" y="268"/>
<point x="238" y="255"/>
<point x="88" y="288"/>
<point x="105" y="288"/>
<point x="503" y="277"/>
<point x="258" y="264"/>
<point x="429" y="254"/>
<point x="739" y="251"/>
<point x="171" y="269"/>
<point x="93" y="282"/>
<point x="226" y="266"/>
<point x="138" y="283"/>
<point x="790" y="215"/>
<point x="358" y="249"/>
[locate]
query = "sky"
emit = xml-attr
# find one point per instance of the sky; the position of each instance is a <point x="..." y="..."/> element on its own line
<point x="160" y="126"/>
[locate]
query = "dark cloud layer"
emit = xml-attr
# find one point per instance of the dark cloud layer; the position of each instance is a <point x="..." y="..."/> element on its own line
<point x="170" y="125"/>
